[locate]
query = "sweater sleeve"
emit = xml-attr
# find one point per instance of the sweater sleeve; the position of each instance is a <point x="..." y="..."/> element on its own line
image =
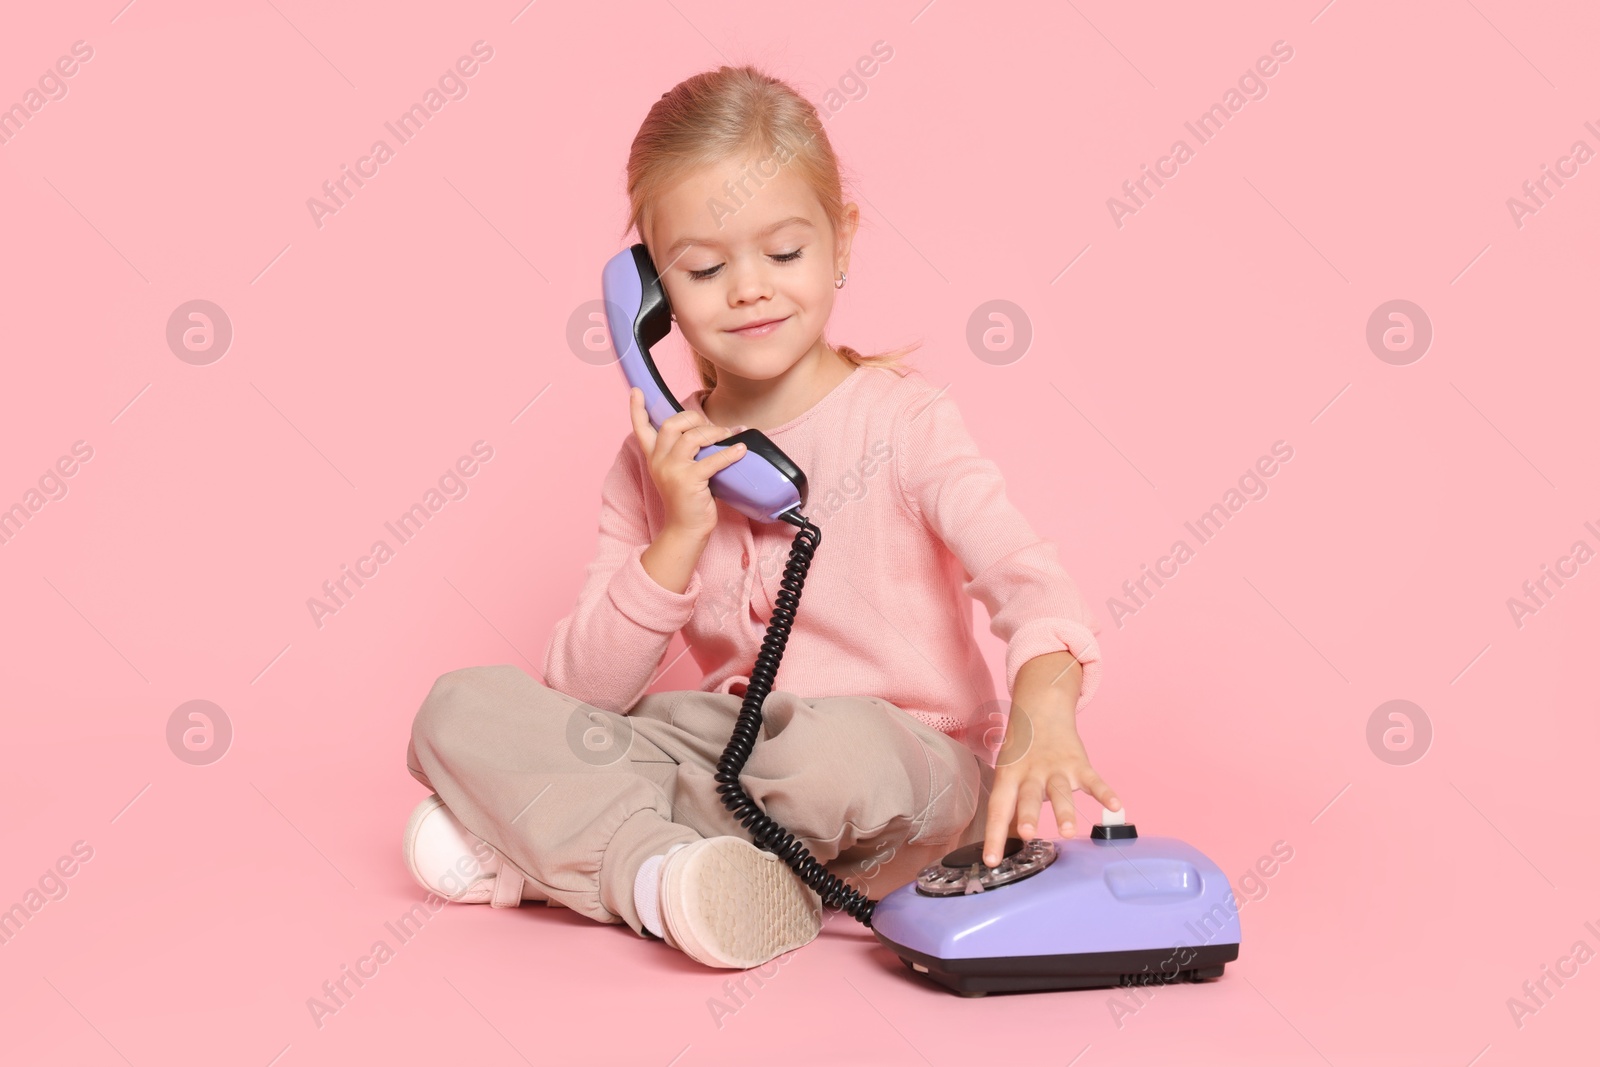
<point x="1034" y="605"/>
<point x="606" y="650"/>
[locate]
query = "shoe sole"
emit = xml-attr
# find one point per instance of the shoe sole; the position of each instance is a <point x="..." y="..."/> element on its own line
<point x="730" y="904"/>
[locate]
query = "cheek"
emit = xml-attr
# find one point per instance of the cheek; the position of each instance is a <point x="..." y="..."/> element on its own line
<point x="813" y="289"/>
<point x="696" y="311"/>
<point x="821" y="275"/>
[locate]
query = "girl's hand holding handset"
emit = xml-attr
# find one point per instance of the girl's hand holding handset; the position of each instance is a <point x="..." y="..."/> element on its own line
<point x="683" y="482"/>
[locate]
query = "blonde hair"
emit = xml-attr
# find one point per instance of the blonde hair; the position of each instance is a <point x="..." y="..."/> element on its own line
<point x="729" y="115"/>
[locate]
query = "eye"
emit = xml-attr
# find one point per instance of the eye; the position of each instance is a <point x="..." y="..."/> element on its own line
<point x="780" y="257"/>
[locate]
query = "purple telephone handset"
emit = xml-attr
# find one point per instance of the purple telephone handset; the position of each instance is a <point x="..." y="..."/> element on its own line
<point x="764" y="484"/>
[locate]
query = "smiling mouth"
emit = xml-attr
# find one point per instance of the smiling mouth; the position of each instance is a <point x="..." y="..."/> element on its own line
<point x="761" y="327"/>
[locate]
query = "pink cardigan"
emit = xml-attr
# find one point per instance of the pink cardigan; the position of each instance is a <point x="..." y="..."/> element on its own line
<point x="914" y="520"/>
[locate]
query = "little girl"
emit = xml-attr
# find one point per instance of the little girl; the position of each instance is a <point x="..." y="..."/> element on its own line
<point x="586" y="791"/>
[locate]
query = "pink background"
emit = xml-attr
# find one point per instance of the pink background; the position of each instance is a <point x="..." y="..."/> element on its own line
<point x="1228" y="313"/>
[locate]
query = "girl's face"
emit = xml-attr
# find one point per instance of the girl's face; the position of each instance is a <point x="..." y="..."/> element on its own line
<point x="732" y="256"/>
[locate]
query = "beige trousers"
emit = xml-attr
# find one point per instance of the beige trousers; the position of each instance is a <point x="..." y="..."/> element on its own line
<point x="577" y="798"/>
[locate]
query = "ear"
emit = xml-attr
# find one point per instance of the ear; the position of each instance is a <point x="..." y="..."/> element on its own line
<point x="844" y="235"/>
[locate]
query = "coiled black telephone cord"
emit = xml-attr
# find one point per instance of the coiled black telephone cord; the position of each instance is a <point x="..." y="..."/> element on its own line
<point x="766" y="833"/>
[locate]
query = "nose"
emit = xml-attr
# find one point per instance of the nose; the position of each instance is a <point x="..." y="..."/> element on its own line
<point x="748" y="282"/>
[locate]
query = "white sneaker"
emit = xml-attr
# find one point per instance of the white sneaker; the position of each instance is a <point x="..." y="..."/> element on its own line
<point x="448" y="859"/>
<point x="727" y="903"/>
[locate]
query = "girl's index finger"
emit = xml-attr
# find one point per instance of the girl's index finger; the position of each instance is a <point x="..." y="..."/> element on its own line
<point x="641" y="421"/>
<point x="1002" y="807"/>
<point x="1101" y="791"/>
